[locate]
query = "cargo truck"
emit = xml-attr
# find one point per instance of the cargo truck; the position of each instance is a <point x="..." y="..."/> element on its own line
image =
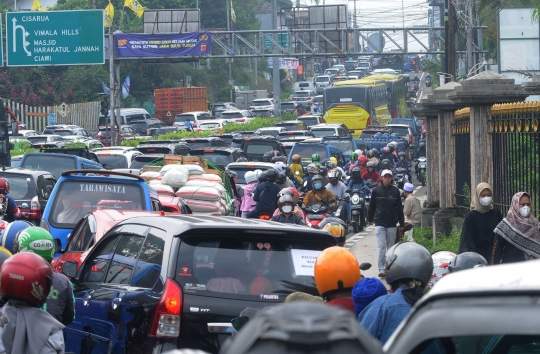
<point x="244" y="98"/>
<point x="172" y="101"/>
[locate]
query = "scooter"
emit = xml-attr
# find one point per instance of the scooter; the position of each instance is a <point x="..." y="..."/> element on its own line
<point x="371" y="185"/>
<point x="315" y="214"/>
<point x="422" y="165"/>
<point x="400" y="177"/>
<point x="358" y="209"/>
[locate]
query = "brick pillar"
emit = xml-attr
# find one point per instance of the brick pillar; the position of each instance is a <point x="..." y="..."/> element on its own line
<point x="449" y="159"/>
<point x="432" y="157"/>
<point x="442" y="161"/>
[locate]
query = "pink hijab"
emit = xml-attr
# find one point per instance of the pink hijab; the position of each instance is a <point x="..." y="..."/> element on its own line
<point x="527" y="226"/>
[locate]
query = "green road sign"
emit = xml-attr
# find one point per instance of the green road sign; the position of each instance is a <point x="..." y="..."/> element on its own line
<point x="54" y="38"/>
<point x="282" y="40"/>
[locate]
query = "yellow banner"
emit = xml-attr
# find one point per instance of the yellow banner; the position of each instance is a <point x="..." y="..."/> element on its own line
<point x="233" y="15"/>
<point x="108" y="15"/>
<point x="36" y="6"/>
<point x="135" y="6"/>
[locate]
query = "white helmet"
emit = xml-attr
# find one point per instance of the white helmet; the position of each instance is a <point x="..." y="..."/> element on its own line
<point x="279" y="166"/>
<point x="250" y="176"/>
<point x="394" y="144"/>
<point x="441" y="260"/>
<point x="358" y="152"/>
<point x="257" y="173"/>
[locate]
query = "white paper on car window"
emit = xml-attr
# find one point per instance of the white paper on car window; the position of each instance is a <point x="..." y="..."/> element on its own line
<point x="304" y="262"/>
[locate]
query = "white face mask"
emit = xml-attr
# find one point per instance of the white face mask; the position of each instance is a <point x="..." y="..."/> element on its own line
<point x="286" y="209"/>
<point x="525" y="211"/>
<point x="486" y="201"/>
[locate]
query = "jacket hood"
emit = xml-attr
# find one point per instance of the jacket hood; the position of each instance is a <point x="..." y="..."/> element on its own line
<point x="267" y="185"/>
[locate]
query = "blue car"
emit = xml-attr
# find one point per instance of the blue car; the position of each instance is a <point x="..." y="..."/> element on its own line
<point x="345" y="144"/>
<point x="306" y="150"/>
<point x="56" y="163"/>
<point x="74" y="195"/>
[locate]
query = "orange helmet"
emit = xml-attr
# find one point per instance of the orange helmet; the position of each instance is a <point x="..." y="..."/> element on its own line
<point x="336" y="229"/>
<point x="336" y="269"/>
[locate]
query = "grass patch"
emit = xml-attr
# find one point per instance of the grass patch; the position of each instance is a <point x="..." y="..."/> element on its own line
<point x="423" y="236"/>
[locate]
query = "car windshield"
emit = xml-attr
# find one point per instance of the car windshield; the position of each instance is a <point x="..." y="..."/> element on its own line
<point x="37" y="139"/>
<point x="301" y="93"/>
<point x="263" y="268"/>
<point x="322" y="79"/>
<point x="261" y="103"/>
<point x="21" y="187"/>
<point x="319" y="133"/>
<point x="306" y="150"/>
<point x="287" y="105"/>
<point x="113" y="161"/>
<point x="346" y="146"/>
<point x="401" y="131"/>
<point x="74" y="199"/>
<point x="228" y="115"/>
<point x="270" y="132"/>
<point x="51" y="163"/>
<point x="141" y="161"/>
<point x="179" y="118"/>
<point x="219" y="158"/>
<point x="258" y="149"/>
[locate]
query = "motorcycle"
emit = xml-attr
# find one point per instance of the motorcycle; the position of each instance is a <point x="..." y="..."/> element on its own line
<point x="315" y="214"/>
<point x="400" y="177"/>
<point x="428" y="81"/>
<point x="371" y="185"/>
<point x="358" y="209"/>
<point x="422" y="165"/>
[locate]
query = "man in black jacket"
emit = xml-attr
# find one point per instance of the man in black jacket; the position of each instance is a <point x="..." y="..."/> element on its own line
<point x="286" y="215"/>
<point x="385" y="210"/>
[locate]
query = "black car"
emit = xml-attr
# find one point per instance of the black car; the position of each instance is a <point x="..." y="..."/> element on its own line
<point x="227" y="138"/>
<point x="305" y="133"/>
<point x="218" y="108"/>
<point x="147" y="159"/>
<point x="31" y="191"/>
<point x="157" y="283"/>
<point x="209" y="141"/>
<point x="145" y="127"/>
<point x="178" y="148"/>
<point x="219" y="156"/>
<point x="157" y="131"/>
<point x="255" y="148"/>
<point x="288" y="107"/>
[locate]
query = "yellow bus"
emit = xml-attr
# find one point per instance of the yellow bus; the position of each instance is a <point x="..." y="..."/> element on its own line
<point x="396" y="85"/>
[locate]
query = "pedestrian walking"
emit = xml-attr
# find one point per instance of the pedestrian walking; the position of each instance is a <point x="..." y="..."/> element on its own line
<point x="517" y="237"/>
<point x="188" y="125"/>
<point x="477" y="233"/>
<point x="385" y="210"/>
<point x="411" y="209"/>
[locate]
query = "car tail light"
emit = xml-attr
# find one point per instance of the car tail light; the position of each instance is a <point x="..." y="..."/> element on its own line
<point x="410" y="139"/>
<point x="208" y="150"/>
<point x="218" y="129"/>
<point x="241" y="120"/>
<point x="151" y="150"/>
<point x="251" y="107"/>
<point x="166" y="322"/>
<point x="308" y="98"/>
<point x="294" y="98"/>
<point x="148" y="131"/>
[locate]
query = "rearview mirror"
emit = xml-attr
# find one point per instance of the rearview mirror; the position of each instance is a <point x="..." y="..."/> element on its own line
<point x="70" y="269"/>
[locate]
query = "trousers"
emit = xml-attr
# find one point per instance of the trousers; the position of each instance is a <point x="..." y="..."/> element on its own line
<point x="386" y="238"/>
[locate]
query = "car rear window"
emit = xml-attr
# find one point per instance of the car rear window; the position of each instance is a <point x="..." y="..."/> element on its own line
<point x="184" y="117"/>
<point x="270" y="132"/>
<point x="309" y="121"/>
<point x="319" y="133"/>
<point x="141" y="161"/>
<point x="305" y="151"/>
<point x="138" y="126"/>
<point x="258" y="149"/>
<point x="228" y="115"/>
<point x="322" y="79"/>
<point x="287" y="106"/>
<point x="74" y="199"/>
<point x="64" y="132"/>
<point x="113" y="161"/>
<point x="154" y="149"/>
<point x="256" y="267"/>
<point x="301" y="93"/>
<point x="222" y="158"/>
<point x="346" y="146"/>
<point x="402" y="131"/>
<point x="261" y="103"/>
<point x="209" y="126"/>
<point x="134" y="117"/>
<point x="198" y="144"/>
<point x="21" y="187"/>
<point x="288" y="126"/>
<point x="368" y="134"/>
<point x="37" y="139"/>
<point x="53" y="164"/>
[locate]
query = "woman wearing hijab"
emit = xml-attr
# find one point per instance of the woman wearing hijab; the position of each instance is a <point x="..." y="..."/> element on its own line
<point x="477" y="234"/>
<point x="517" y="236"/>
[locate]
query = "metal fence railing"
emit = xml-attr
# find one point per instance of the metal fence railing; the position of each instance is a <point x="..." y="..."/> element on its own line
<point x="462" y="143"/>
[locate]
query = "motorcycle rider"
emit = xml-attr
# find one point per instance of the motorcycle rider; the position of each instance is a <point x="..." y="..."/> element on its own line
<point x="316" y="159"/>
<point x="290" y="192"/>
<point x="283" y="181"/>
<point x="371" y="173"/>
<point x="248" y="204"/>
<point x="352" y="162"/>
<point x="466" y="260"/>
<point x="420" y="153"/>
<point x="409" y="267"/>
<point x="362" y="162"/>
<point x="373" y="157"/>
<point x="286" y="215"/>
<point x="387" y="155"/>
<point x="8" y="207"/>
<point x="336" y="271"/>
<point x="268" y="156"/>
<point x="403" y="163"/>
<point x="266" y="195"/>
<point x="312" y="170"/>
<point x="296" y="168"/>
<point x="319" y="194"/>
<point x="356" y="181"/>
<point x="339" y="190"/>
<point x="25" y="328"/>
<point x="333" y="165"/>
<point x="60" y="302"/>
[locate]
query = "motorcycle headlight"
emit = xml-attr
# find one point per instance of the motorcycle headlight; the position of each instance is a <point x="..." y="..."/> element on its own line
<point x="356" y="199"/>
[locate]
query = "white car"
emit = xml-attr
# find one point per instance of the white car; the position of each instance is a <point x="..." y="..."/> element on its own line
<point x="237" y="116"/>
<point x="115" y="157"/>
<point x="214" y="124"/>
<point x="262" y="103"/>
<point x="194" y="117"/>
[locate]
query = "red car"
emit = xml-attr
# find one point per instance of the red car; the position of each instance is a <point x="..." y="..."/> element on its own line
<point x="173" y="205"/>
<point x="91" y="229"/>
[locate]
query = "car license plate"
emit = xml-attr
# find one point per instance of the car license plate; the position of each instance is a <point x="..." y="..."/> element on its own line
<point x="315" y="217"/>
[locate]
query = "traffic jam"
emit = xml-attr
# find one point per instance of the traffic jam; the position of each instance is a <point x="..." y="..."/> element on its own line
<point x="130" y="241"/>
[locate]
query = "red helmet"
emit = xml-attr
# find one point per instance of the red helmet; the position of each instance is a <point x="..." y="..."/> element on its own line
<point x="386" y="150"/>
<point x="8" y="185"/>
<point x="3" y="186"/>
<point x="27" y="277"/>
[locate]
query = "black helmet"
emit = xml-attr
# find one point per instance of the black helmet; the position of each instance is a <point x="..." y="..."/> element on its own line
<point x="262" y="177"/>
<point x="281" y="178"/>
<point x="466" y="260"/>
<point x="422" y="144"/>
<point x="288" y="171"/>
<point x="323" y="170"/>
<point x="375" y="152"/>
<point x="276" y="159"/>
<point x="356" y="173"/>
<point x="242" y="159"/>
<point x="408" y="260"/>
<point x="401" y="153"/>
<point x="317" y="178"/>
<point x="267" y="157"/>
<point x="386" y="164"/>
<point x="301" y="328"/>
<point x="370" y="154"/>
<point x="271" y="175"/>
<point x="325" y="161"/>
<point x="285" y="191"/>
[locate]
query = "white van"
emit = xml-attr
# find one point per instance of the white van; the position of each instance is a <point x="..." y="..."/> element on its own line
<point x="304" y="85"/>
<point x="127" y="115"/>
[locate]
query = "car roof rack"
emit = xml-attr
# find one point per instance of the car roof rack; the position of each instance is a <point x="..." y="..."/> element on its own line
<point x="103" y="172"/>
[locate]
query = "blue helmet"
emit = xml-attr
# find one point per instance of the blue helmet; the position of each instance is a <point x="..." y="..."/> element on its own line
<point x="377" y="135"/>
<point x="394" y="136"/>
<point x="11" y="231"/>
<point x="385" y="136"/>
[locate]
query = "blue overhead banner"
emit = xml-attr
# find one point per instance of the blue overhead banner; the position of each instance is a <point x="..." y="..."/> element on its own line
<point x="162" y="45"/>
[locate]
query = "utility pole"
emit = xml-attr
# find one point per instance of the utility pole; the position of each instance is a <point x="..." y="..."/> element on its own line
<point x="275" y="65"/>
<point x="112" y="86"/>
<point x="231" y="83"/>
<point x="470" y="38"/>
<point x="451" y="44"/>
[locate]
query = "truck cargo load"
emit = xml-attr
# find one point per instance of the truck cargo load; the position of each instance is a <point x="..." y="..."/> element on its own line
<point x="172" y="101"/>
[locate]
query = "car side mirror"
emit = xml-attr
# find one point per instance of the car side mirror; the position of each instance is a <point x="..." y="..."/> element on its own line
<point x="69" y="269"/>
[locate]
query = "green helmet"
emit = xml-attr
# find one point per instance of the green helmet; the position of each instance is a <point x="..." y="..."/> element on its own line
<point x="315" y="158"/>
<point x="36" y="240"/>
<point x="354" y="156"/>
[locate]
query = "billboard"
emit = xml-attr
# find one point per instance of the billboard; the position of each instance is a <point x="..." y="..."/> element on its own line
<point x="133" y="45"/>
<point x="331" y="17"/>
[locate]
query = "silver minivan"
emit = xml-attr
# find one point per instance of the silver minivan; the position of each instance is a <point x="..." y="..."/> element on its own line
<point x="127" y="115"/>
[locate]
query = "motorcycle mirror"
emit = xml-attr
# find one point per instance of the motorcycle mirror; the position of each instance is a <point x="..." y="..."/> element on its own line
<point x="365" y="266"/>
